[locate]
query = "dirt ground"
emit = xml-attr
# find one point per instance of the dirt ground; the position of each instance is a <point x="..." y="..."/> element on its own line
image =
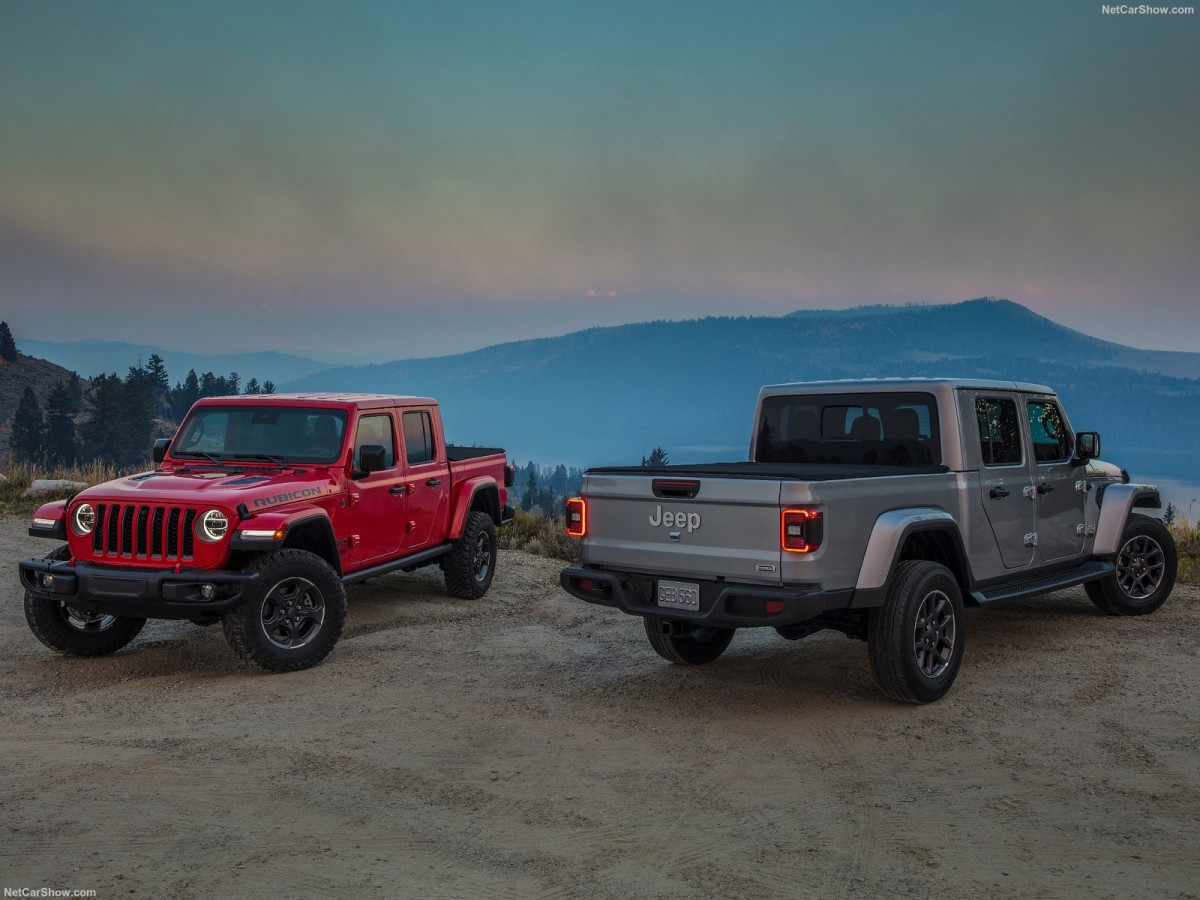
<point x="528" y="745"/>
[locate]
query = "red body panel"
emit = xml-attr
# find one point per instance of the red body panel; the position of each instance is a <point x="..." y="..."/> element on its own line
<point x="417" y="502"/>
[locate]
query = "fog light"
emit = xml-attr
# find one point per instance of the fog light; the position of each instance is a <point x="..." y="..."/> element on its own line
<point x="208" y="591"/>
<point x="47" y="580"/>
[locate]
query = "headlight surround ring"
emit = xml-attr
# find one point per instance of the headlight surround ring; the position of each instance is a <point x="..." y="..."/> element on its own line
<point x="83" y="519"/>
<point x="212" y="526"/>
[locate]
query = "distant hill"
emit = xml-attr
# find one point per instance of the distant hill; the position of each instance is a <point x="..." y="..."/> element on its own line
<point x="609" y="395"/>
<point x="25" y="371"/>
<point x="90" y="358"/>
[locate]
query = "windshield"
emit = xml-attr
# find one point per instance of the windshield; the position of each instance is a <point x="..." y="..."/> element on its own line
<point x="885" y="429"/>
<point x="270" y="433"/>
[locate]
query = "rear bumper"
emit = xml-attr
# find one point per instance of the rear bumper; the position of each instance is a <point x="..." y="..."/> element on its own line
<point x="722" y="604"/>
<point x="141" y="593"/>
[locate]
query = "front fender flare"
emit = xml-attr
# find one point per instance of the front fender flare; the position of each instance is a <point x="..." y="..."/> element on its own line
<point x="1116" y="505"/>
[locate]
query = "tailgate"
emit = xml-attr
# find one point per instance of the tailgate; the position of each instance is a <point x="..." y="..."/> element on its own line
<point x="701" y="527"/>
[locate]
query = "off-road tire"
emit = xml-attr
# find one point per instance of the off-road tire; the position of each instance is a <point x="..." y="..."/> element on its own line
<point x="73" y="632"/>
<point x="1146" y="564"/>
<point x="704" y="644"/>
<point x="915" y="640"/>
<point x="470" y="566"/>
<point x="294" y="616"/>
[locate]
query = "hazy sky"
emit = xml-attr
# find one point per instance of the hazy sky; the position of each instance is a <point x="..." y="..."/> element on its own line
<point x="416" y="178"/>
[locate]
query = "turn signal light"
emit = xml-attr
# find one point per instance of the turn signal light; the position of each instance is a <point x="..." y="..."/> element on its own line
<point x="801" y="530"/>
<point x="577" y="517"/>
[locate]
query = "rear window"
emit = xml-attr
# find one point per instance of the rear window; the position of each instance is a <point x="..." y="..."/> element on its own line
<point x="850" y="429"/>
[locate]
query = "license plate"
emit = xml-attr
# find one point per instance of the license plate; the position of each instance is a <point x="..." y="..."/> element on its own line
<point x="679" y="595"/>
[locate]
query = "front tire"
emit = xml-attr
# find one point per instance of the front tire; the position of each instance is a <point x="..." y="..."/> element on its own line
<point x="1145" y="570"/>
<point x="471" y="564"/>
<point x="701" y="645"/>
<point x="915" y="640"/>
<point x="294" y="618"/>
<point x="74" y="632"/>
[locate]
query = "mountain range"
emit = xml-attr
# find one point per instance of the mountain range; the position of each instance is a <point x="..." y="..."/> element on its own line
<point x="610" y="395"/>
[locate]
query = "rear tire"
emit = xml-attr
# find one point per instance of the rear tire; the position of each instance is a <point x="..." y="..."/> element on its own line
<point x="915" y="640"/>
<point x="702" y="645"/>
<point x="470" y="566"/>
<point x="295" y="616"/>
<point x="74" y="632"/>
<point x="1145" y="570"/>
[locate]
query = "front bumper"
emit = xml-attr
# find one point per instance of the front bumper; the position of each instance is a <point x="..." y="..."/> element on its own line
<point x="722" y="604"/>
<point x="142" y="593"/>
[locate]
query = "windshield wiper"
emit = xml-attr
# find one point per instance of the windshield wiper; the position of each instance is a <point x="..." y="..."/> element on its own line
<point x="269" y="457"/>
<point x="211" y="457"/>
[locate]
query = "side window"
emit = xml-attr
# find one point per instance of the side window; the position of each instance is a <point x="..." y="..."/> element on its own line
<point x="1049" y="433"/>
<point x="418" y="438"/>
<point x="999" y="432"/>
<point x="376" y="430"/>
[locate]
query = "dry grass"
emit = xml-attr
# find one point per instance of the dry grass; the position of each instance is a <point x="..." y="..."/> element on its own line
<point x="18" y="477"/>
<point x="530" y="532"/>
<point x="1187" y="539"/>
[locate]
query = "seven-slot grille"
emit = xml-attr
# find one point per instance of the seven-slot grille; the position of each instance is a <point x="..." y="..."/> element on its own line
<point x="133" y="531"/>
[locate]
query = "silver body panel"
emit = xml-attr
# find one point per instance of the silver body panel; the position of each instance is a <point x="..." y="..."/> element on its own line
<point x="1012" y="521"/>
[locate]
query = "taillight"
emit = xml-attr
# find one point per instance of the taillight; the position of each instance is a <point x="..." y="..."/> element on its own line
<point x="510" y="475"/>
<point x="577" y="517"/>
<point x="800" y="530"/>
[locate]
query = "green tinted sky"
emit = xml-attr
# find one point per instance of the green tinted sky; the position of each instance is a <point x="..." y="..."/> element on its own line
<point x="413" y="178"/>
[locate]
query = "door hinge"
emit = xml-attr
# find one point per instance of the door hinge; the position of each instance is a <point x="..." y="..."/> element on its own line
<point x="1083" y="486"/>
<point x="1030" y="491"/>
<point x="1085" y="530"/>
<point x="1031" y="539"/>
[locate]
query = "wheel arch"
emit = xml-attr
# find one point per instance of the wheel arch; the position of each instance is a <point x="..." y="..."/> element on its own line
<point x="925" y="533"/>
<point x="480" y="493"/>
<point x="1117" y="503"/>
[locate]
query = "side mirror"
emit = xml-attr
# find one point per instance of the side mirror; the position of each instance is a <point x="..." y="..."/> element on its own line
<point x="372" y="458"/>
<point x="1087" y="445"/>
<point x="159" y="452"/>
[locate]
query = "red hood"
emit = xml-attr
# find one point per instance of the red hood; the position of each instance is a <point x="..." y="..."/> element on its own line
<point x="258" y="489"/>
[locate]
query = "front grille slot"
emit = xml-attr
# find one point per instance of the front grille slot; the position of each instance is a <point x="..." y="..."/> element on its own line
<point x="130" y="531"/>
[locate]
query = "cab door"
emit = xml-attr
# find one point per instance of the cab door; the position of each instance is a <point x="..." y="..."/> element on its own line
<point x="378" y="501"/>
<point x="1058" y="485"/>
<point x="427" y="478"/>
<point x="1004" y="478"/>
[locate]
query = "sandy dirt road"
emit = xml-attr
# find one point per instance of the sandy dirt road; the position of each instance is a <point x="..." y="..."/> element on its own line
<point x="531" y="746"/>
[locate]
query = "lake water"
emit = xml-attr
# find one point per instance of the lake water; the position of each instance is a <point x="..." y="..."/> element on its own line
<point x="1184" y="495"/>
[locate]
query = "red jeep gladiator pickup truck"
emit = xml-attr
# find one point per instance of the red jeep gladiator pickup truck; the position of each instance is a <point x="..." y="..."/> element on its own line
<point x="261" y="509"/>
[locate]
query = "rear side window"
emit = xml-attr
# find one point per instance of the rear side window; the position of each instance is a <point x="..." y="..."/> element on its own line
<point x="418" y="438"/>
<point x="1048" y="431"/>
<point x="850" y="429"/>
<point x="999" y="431"/>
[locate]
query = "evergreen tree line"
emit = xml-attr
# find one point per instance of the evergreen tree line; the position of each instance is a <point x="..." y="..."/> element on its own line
<point x="546" y="488"/>
<point x="118" y="418"/>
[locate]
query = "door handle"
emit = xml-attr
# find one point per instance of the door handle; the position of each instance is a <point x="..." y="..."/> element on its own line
<point x="433" y="482"/>
<point x="1044" y="488"/>
<point x="998" y="491"/>
<point x="398" y="490"/>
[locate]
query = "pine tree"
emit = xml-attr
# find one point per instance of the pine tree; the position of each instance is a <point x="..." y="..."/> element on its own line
<point x="268" y="387"/>
<point x="28" y="429"/>
<point x="252" y="386"/>
<point x="184" y="395"/>
<point x="136" y="416"/>
<point x="530" y="497"/>
<point x="61" y="444"/>
<point x="8" y="347"/>
<point x="100" y="433"/>
<point x="658" y="457"/>
<point x="156" y="373"/>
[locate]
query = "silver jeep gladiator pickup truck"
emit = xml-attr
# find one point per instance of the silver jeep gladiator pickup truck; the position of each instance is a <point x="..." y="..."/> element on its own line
<point x="878" y="509"/>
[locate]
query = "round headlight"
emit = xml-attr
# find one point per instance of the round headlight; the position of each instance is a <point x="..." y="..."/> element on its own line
<point x="83" y="519"/>
<point x="212" y="526"/>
